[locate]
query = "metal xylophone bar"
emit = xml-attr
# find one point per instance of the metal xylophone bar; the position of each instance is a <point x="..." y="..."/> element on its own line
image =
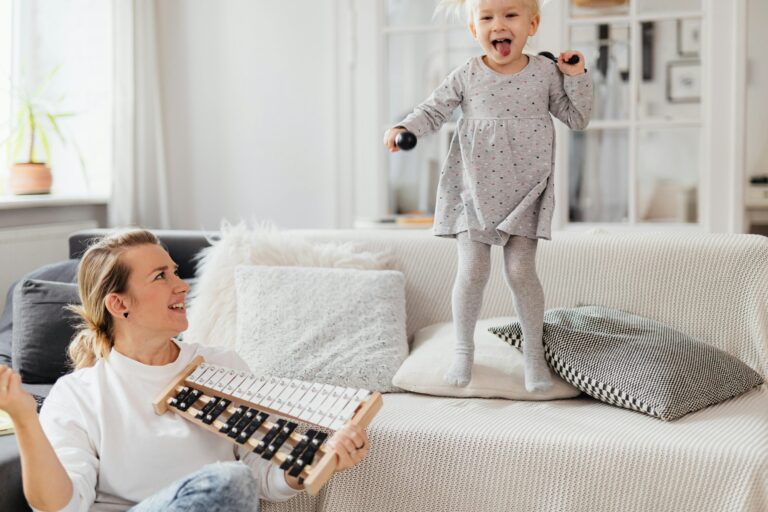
<point x="239" y="405"/>
<point x="242" y="423"/>
<point x="320" y="404"/>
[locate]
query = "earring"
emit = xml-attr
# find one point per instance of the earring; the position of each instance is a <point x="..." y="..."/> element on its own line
<point x="125" y="314"/>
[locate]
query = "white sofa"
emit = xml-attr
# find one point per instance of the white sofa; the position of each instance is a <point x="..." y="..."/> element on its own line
<point x="449" y="454"/>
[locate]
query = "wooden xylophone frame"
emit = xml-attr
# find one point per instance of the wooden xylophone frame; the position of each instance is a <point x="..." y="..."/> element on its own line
<point x="314" y="475"/>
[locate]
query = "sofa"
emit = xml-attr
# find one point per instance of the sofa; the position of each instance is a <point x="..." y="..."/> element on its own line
<point x="473" y="454"/>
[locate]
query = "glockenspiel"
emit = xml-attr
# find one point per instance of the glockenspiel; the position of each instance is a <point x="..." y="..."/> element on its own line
<point x="263" y="413"/>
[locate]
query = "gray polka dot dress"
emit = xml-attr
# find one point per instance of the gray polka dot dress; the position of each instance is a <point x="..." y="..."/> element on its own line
<point x="497" y="180"/>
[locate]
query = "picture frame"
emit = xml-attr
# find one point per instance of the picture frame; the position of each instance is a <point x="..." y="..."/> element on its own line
<point x="688" y="37"/>
<point x="684" y="81"/>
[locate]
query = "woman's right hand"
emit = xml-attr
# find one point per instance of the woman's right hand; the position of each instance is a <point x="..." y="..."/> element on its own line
<point x="390" y="136"/>
<point x="15" y="401"/>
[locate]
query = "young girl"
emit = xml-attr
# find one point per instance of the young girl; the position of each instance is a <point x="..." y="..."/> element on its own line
<point x="496" y="184"/>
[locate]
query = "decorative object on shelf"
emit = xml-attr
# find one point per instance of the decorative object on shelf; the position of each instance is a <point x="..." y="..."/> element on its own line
<point x="757" y="192"/>
<point x="648" y="36"/>
<point x="36" y="120"/>
<point x="688" y="37"/>
<point x="684" y="81"/>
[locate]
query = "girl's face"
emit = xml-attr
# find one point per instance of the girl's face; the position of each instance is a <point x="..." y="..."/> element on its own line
<point x="502" y="28"/>
<point x="156" y="295"/>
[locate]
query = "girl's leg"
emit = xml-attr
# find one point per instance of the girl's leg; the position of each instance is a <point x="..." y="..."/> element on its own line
<point x="218" y="487"/>
<point x="471" y="277"/>
<point x="528" y="295"/>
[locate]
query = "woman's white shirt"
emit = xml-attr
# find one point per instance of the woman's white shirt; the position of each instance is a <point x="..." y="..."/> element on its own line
<point x="117" y="451"/>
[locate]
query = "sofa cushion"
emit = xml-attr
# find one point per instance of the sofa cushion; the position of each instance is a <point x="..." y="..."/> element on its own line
<point x="61" y="271"/>
<point x="213" y="303"/>
<point x="337" y="326"/>
<point x="498" y="372"/>
<point x="635" y="362"/>
<point x="42" y="329"/>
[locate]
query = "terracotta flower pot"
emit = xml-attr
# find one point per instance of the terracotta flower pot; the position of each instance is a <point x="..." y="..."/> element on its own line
<point x="30" y="178"/>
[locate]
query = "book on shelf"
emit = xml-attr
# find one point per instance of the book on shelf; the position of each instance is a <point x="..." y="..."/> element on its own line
<point x="410" y="220"/>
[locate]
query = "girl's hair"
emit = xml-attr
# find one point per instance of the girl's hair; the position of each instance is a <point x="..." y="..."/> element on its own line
<point x="467" y="7"/>
<point x="101" y="272"/>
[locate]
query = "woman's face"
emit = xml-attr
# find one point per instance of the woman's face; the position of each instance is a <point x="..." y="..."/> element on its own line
<point x="156" y="295"/>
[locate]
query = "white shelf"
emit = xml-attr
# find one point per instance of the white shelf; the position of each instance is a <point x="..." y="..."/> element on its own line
<point x="609" y="124"/>
<point x="10" y="202"/>
<point x="626" y="18"/>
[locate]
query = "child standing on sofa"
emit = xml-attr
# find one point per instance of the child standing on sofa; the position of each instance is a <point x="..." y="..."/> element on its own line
<point x="496" y="186"/>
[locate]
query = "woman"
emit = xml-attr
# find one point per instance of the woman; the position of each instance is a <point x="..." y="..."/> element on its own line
<point x="97" y="444"/>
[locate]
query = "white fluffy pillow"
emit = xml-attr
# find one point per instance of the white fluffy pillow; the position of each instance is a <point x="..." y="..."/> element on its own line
<point x="344" y="327"/>
<point x="497" y="372"/>
<point x="213" y="305"/>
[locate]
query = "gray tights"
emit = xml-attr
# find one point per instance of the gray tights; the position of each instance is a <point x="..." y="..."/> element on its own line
<point x="528" y="296"/>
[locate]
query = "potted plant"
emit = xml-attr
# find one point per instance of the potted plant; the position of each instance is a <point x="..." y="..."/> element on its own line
<point x="27" y="146"/>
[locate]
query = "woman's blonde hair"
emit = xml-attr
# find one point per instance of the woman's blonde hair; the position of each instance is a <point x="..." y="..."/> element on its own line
<point x="458" y="8"/>
<point x="101" y="272"/>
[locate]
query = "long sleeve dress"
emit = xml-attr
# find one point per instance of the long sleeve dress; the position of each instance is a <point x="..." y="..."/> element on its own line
<point x="497" y="180"/>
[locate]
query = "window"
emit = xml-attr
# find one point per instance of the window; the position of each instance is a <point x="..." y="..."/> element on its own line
<point x="639" y="160"/>
<point x="6" y="45"/>
<point x="664" y="146"/>
<point x="75" y="39"/>
<point x="420" y="52"/>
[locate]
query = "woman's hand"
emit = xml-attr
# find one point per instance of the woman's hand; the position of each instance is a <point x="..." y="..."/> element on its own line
<point x="571" y="69"/>
<point x="15" y="401"/>
<point x="351" y="444"/>
<point x="390" y="136"/>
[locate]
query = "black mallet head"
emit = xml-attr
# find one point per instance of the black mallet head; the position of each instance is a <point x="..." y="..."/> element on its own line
<point x="573" y="60"/>
<point x="405" y="141"/>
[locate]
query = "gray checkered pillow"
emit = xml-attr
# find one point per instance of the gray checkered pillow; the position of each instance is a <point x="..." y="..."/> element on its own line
<point x="636" y="363"/>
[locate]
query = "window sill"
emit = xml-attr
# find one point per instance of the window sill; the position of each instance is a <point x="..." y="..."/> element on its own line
<point x="9" y="202"/>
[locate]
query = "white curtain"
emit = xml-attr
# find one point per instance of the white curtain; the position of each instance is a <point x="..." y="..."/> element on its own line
<point x="140" y="181"/>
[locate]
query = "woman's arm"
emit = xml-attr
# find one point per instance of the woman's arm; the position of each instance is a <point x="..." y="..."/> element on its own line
<point x="46" y="484"/>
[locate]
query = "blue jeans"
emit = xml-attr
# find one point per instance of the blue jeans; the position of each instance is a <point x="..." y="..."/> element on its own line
<point x="219" y="487"/>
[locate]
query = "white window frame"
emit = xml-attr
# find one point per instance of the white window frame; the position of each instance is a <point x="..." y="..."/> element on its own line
<point x="6" y="71"/>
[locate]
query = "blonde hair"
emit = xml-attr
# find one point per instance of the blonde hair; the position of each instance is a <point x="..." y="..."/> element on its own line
<point x="455" y="8"/>
<point x="101" y="272"/>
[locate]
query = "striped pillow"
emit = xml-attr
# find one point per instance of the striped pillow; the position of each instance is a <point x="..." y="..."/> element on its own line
<point x="636" y="363"/>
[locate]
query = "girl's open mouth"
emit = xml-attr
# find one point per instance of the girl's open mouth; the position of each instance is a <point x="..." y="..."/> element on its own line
<point x="503" y="46"/>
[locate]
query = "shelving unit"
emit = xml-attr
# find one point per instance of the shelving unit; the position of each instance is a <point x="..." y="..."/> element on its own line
<point x="714" y="126"/>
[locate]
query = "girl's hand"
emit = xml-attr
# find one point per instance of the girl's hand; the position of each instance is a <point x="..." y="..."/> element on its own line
<point x="571" y="69"/>
<point x="390" y="136"/>
<point x="351" y="444"/>
<point x="14" y="400"/>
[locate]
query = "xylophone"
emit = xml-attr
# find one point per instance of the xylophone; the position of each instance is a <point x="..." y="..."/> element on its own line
<point x="240" y="406"/>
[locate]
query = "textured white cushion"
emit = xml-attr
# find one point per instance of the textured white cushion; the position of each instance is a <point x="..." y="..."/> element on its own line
<point x="213" y="305"/>
<point x="497" y="372"/>
<point x="344" y="327"/>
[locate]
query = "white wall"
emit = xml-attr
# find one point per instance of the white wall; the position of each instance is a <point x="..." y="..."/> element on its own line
<point x="757" y="85"/>
<point x="249" y="111"/>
